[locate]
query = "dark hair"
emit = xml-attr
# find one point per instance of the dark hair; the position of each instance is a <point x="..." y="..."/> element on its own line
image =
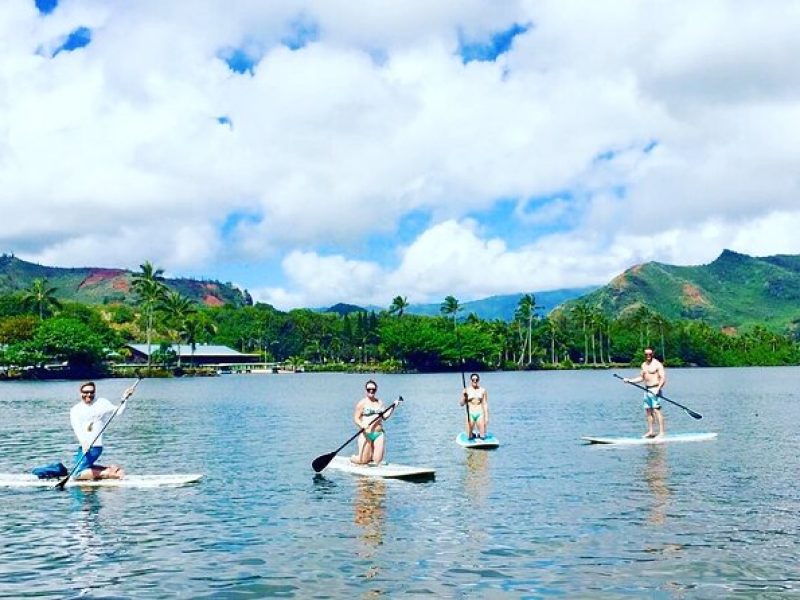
<point x="471" y="375"/>
<point x="84" y="384"/>
<point x="372" y="382"/>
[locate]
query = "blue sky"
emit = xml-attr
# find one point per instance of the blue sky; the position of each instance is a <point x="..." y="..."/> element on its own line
<point x="318" y="152"/>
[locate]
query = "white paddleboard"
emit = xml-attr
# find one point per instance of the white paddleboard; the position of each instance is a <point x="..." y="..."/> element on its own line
<point x="638" y="441"/>
<point x="132" y="481"/>
<point x="490" y="441"/>
<point x="384" y="470"/>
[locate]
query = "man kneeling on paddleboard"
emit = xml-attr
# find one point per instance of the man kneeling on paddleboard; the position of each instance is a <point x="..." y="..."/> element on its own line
<point x="654" y="379"/>
<point x="88" y="417"/>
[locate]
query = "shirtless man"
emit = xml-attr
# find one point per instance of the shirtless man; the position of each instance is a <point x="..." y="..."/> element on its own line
<point x="654" y="379"/>
<point x="477" y="399"/>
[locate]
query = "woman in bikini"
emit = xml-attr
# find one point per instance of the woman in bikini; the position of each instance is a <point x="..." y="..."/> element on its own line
<point x="477" y="399"/>
<point x="372" y="441"/>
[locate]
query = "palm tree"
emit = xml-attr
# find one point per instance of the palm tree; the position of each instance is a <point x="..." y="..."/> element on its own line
<point x="194" y="328"/>
<point x="399" y="305"/>
<point x="661" y="324"/>
<point x="41" y="297"/>
<point x="583" y="313"/>
<point x="554" y="329"/>
<point x="149" y="286"/>
<point x="177" y="308"/>
<point x="526" y="313"/>
<point x="451" y="306"/>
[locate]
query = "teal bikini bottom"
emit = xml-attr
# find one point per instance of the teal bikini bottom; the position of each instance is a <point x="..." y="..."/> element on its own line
<point x="373" y="435"/>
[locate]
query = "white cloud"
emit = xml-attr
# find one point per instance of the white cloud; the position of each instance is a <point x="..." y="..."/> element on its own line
<point x="113" y="154"/>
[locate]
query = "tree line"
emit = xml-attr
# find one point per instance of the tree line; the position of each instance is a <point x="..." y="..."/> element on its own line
<point x="37" y="329"/>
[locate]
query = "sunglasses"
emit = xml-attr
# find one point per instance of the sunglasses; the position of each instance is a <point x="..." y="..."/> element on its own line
<point x="475" y="379"/>
<point x="87" y="393"/>
<point x="372" y="390"/>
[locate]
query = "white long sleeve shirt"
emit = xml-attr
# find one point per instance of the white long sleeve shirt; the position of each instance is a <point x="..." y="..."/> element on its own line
<point x="89" y="419"/>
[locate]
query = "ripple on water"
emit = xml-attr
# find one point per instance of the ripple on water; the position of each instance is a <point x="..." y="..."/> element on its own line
<point x="543" y="515"/>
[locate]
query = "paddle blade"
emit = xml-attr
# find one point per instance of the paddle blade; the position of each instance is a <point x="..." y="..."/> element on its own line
<point x="319" y="463"/>
<point x="60" y="485"/>
<point x="694" y="414"/>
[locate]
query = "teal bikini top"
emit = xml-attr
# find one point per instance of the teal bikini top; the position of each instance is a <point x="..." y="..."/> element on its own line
<point x="368" y="412"/>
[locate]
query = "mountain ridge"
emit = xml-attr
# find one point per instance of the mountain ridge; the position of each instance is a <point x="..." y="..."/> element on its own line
<point x="96" y="285"/>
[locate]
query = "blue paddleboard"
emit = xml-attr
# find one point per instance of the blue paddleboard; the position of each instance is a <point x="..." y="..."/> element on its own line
<point x="490" y="441"/>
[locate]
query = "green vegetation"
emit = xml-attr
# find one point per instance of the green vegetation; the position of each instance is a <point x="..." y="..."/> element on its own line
<point x="610" y="326"/>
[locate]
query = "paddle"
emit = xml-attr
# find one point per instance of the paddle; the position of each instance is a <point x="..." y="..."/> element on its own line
<point x="60" y="485"/>
<point x="464" y="384"/>
<point x="693" y="414"/>
<point x="319" y="463"/>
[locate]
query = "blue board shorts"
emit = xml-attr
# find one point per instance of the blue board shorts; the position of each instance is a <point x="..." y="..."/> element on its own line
<point x="88" y="459"/>
<point x="651" y="400"/>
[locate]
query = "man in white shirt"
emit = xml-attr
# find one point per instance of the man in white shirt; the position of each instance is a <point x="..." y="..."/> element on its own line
<point x="88" y="417"/>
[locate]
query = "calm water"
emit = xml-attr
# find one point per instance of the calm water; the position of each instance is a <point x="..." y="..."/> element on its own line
<point x="543" y="516"/>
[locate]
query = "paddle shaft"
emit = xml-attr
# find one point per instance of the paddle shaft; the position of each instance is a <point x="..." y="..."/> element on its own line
<point x="319" y="463"/>
<point x="693" y="414"/>
<point x="464" y="384"/>
<point x="60" y="485"/>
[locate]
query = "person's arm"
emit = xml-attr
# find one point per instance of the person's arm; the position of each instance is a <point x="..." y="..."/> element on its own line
<point x="390" y="411"/>
<point x="357" y="414"/>
<point x="638" y="379"/>
<point x="486" y="406"/>
<point x="662" y="378"/>
<point x="464" y="398"/>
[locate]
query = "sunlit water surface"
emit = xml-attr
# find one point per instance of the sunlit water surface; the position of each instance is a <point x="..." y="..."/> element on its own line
<point x="544" y="515"/>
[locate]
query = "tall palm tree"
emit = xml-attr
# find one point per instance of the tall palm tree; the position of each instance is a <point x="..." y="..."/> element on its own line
<point x="526" y="313"/>
<point x="149" y="286"/>
<point x="583" y="313"/>
<point x="449" y="307"/>
<point x="194" y="329"/>
<point x="399" y="305"/>
<point x="554" y="329"/>
<point x="661" y="325"/>
<point x="41" y="297"/>
<point x="177" y="309"/>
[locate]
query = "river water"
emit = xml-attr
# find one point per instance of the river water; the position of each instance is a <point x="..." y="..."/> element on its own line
<point x="542" y="516"/>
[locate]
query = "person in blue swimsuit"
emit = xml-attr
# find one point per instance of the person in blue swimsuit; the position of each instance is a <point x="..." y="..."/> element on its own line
<point x="477" y="400"/>
<point x="367" y="416"/>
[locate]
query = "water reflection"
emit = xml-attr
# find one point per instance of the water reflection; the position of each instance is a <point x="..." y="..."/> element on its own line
<point x="370" y="512"/>
<point x="656" y="473"/>
<point x="89" y="545"/>
<point x="476" y="477"/>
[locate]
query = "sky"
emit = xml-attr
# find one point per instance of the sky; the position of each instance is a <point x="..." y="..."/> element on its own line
<point x="323" y="151"/>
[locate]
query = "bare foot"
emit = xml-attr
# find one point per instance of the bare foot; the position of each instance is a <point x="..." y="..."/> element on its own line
<point x="649" y="434"/>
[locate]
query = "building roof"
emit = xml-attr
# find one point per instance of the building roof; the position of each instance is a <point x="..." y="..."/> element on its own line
<point x="200" y="350"/>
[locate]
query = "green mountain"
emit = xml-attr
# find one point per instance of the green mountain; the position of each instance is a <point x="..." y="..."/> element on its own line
<point x="488" y="309"/>
<point x="503" y="307"/>
<point x="103" y="286"/>
<point x="735" y="290"/>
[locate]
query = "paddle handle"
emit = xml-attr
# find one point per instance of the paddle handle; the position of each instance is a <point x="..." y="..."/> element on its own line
<point x="692" y="413"/>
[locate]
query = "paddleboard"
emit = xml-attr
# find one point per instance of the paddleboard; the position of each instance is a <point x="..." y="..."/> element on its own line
<point x="384" y="470"/>
<point x="487" y="443"/>
<point x="638" y="441"/>
<point x="131" y="481"/>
